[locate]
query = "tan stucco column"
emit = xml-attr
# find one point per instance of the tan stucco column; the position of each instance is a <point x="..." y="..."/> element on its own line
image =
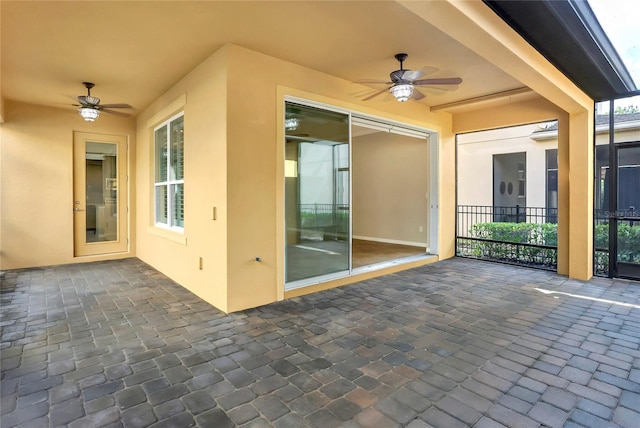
<point x="563" y="194"/>
<point x="580" y="195"/>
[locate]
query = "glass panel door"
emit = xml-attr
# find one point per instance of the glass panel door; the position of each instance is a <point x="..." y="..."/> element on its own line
<point x="627" y="214"/>
<point x="99" y="193"/>
<point x="317" y="193"/>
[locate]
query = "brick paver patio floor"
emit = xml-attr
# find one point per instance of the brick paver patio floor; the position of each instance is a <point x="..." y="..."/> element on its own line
<point x="453" y="344"/>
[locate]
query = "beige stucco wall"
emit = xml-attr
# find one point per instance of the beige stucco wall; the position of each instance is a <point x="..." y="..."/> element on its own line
<point x="37" y="183"/>
<point x="202" y="96"/>
<point x="256" y="161"/>
<point x="390" y="180"/>
<point x="234" y="160"/>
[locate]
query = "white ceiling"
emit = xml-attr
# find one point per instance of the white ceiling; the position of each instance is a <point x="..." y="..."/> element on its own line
<point x="135" y="51"/>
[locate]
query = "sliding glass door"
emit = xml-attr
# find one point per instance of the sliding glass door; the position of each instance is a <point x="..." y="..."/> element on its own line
<point x="317" y="193"/>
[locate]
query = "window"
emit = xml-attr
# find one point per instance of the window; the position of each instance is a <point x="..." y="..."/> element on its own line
<point x="169" y="173"/>
<point x="509" y="186"/>
<point x="552" y="185"/>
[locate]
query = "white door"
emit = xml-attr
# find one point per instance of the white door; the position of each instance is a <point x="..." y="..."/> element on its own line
<point x="100" y="194"/>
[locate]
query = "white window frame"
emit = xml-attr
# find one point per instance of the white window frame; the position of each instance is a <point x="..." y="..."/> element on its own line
<point x="168" y="182"/>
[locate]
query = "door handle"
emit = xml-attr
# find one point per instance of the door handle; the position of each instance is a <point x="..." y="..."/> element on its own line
<point x="78" y="209"/>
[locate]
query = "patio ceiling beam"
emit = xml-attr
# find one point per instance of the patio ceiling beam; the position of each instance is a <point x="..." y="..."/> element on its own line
<point x="476" y="26"/>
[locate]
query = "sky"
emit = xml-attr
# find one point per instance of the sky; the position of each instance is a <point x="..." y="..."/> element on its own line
<point x="619" y="19"/>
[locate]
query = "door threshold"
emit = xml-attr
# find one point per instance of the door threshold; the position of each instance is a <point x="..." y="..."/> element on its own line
<point x="391" y="263"/>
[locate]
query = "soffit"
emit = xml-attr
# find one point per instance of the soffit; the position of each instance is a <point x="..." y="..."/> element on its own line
<point x="135" y="51"/>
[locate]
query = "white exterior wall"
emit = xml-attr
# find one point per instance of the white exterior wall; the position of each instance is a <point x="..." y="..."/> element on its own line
<point x="475" y="153"/>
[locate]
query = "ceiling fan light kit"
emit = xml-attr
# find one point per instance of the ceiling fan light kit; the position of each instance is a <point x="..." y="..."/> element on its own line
<point x="89" y="114"/>
<point x="402" y="92"/>
<point x="291" y="124"/>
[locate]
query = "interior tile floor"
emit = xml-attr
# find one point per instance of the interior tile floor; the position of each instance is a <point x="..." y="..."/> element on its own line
<point x="456" y="343"/>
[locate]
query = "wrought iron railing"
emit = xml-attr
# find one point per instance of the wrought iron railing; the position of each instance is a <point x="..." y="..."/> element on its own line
<point x="518" y="235"/>
<point x="324" y="220"/>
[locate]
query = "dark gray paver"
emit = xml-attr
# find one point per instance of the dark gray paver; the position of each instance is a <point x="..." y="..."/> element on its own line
<point x="457" y="343"/>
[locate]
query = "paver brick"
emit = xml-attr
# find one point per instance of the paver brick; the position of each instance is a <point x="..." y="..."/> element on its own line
<point x="548" y="415"/>
<point x="181" y="420"/>
<point x="166" y="394"/>
<point x="595" y="408"/>
<point x="459" y="410"/>
<point x="456" y="343"/>
<point x="587" y="419"/>
<point x="510" y="418"/>
<point x="514" y="403"/>
<point x="438" y="418"/>
<point x="411" y="399"/>
<point x="236" y="398"/>
<point x="198" y="401"/>
<point x="139" y="416"/>
<point x="270" y="406"/>
<point x="308" y="403"/>
<point x="129" y="397"/>
<point x="396" y="411"/>
<point x="344" y="409"/>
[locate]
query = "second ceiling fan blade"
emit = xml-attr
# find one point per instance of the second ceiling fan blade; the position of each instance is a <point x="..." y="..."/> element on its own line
<point x="417" y="95"/>
<point x="439" y="81"/>
<point x="373" y="81"/>
<point x="115" y="106"/>
<point x="375" y="94"/>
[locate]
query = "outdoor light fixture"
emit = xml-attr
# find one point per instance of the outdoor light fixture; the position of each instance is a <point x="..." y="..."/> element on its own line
<point x="291" y="124"/>
<point x="89" y="114"/>
<point x="402" y="92"/>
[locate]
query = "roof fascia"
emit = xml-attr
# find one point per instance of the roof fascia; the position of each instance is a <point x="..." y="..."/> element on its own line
<point x="569" y="35"/>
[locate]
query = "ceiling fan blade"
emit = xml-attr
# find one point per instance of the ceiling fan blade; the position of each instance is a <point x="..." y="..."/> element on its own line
<point x="375" y="94"/>
<point x="439" y="81"/>
<point x="417" y="95"/>
<point x="115" y="106"/>
<point x="424" y="71"/>
<point x="374" y="81"/>
<point x="116" y="113"/>
<point x="411" y="75"/>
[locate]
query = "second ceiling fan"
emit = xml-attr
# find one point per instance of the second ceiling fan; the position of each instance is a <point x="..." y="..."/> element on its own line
<point x="403" y="82"/>
<point x="90" y="106"/>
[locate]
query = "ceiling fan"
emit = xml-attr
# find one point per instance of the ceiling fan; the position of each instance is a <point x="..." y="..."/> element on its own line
<point x="403" y="82"/>
<point x="90" y="106"/>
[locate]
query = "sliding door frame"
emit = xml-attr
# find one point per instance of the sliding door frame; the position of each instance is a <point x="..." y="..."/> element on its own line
<point x="386" y="125"/>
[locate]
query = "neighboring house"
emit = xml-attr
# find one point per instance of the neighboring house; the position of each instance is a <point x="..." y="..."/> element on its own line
<point x="211" y="182"/>
<point x="519" y="165"/>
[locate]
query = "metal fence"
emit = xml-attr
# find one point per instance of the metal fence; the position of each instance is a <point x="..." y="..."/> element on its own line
<point x="601" y="243"/>
<point x="518" y="235"/>
<point x="324" y="221"/>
